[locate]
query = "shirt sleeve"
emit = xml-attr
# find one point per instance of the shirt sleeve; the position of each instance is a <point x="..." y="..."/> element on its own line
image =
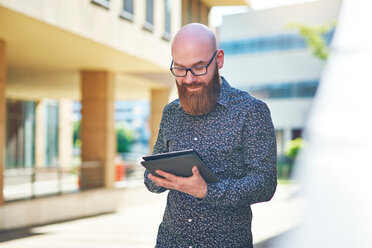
<point x="259" y="155"/>
<point x="161" y="146"/>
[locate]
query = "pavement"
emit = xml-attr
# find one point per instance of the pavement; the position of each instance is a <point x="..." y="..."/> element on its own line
<point x="135" y="223"/>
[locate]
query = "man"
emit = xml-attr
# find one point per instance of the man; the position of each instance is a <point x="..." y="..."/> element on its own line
<point x="233" y="133"/>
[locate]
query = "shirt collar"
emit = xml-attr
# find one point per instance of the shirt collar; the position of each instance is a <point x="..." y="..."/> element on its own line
<point x="224" y="96"/>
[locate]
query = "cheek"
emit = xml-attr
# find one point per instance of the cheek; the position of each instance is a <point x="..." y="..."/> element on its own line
<point x="206" y="79"/>
<point x="179" y="81"/>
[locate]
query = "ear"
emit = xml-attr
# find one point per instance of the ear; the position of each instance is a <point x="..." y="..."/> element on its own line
<point x="220" y="58"/>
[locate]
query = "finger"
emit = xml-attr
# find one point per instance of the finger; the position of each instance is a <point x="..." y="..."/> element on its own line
<point x="195" y="171"/>
<point x="152" y="177"/>
<point x="164" y="183"/>
<point x="167" y="175"/>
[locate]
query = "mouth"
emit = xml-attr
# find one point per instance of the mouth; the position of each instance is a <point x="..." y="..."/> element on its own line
<point x="195" y="87"/>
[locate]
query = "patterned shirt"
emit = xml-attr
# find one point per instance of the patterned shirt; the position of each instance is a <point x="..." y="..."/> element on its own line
<point x="237" y="142"/>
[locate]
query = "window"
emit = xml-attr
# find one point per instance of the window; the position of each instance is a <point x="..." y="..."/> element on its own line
<point x="280" y="140"/>
<point x="189" y="12"/>
<point x="167" y="20"/>
<point x="296" y="133"/>
<point x="51" y="127"/>
<point x="289" y="41"/>
<point x="127" y="12"/>
<point x="20" y="134"/>
<point x="199" y="11"/>
<point x="284" y="90"/>
<point x="149" y="23"/>
<point x="103" y="3"/>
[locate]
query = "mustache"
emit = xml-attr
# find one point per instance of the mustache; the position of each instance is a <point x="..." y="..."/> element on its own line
<point x="192" y="85"/>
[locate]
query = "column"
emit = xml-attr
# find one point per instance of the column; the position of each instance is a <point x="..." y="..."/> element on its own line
<point x="97" y="129"/>
<point x="2" y="116"/>
<point x="40" y="134"/>
<point x="65" y="133"/>
<point x="159" y="98"/>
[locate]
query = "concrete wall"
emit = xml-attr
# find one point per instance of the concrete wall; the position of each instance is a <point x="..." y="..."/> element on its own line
<point x="289" y="113"/>
<point x="269" y="67"/>
<point x="59" y="208"/>
<point x="105" y="25"/>
<point x="273" y="21"/>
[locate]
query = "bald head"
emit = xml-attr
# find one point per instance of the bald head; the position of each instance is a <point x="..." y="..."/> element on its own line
<point x="194" y="35"/>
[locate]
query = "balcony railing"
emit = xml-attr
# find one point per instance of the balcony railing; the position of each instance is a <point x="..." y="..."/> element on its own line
<point x="29" y="183"/>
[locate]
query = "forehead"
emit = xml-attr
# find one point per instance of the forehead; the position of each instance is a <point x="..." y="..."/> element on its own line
<point x="190" y="58"/>
<point x="188" y="52"/>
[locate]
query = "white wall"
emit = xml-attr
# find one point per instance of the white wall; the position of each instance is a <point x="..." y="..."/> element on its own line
<point x="275" y="67"/>
<point x="272" y="21"/>
<point x="289" y="113"/>
<point x="270" y="67"/>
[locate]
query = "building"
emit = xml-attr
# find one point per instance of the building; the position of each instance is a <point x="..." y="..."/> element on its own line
<point x="94" y="51"/>
<point x="272" y="61"/>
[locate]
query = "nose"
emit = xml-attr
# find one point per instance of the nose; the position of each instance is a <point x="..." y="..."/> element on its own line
<point x="189" y="78"/>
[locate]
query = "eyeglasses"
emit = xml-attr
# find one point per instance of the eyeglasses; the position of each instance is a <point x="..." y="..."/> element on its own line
<point x="197" y="70"/>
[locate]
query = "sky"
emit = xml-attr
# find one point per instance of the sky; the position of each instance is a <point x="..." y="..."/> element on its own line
<point x="218" y="12"/>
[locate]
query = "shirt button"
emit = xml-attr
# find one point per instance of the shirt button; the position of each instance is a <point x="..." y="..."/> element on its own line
<point x="195" y="139"/>
<point x="189" y="220"/>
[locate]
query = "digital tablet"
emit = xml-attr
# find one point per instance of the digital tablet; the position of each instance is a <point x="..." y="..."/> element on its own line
<point x="179" y="163"/>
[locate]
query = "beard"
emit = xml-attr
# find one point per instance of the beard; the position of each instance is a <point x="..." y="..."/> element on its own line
<point x="203" y="101"/>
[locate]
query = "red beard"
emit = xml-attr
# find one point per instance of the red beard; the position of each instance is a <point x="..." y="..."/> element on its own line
<point x="203" y="101"/>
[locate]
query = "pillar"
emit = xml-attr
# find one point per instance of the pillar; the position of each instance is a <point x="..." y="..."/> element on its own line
<point x="40" y="134"/>
<point x="97" y="130"/>
<point x="159" y="98"/>
<point x="2" y="116"/>
<point x="65" y="133"/>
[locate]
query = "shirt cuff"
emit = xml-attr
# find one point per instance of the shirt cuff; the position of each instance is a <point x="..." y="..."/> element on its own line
<point x="212" y="194"/>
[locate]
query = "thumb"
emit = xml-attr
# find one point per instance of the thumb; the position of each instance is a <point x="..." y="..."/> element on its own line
<point x="195" y="171"/>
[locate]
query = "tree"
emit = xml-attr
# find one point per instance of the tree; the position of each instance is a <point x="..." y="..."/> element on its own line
<point x="76" y="134"/>
<point x="314" y="37"/>
<point x="124" y="138"/>
<point x="293" y="148"/>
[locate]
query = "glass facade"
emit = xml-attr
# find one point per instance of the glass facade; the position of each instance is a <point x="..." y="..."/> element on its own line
<point x="282" y="42"/>
<point x="189" y="10"/>
<point x="20" y="134"/>
<point x="283" y="90"/>
<point x="51" y="122"/>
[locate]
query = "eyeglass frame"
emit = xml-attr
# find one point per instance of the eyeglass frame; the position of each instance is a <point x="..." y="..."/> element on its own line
<point x="187" y="69"/>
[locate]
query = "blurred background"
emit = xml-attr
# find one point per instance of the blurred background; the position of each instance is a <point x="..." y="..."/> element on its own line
<point x="82" y="89"/>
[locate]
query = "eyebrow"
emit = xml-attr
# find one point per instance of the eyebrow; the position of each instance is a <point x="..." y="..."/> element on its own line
<point x="195" y="64"/>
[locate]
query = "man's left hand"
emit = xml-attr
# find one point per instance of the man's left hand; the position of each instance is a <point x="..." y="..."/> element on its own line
<point x="194" y="185"/>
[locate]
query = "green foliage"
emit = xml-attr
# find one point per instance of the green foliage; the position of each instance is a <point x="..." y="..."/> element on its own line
<point x="293" y="147"/>
<point x="76" y="134"/>
<point x="314" y="37"/>
<point x="285" y="162"/>
<point x="284" y="167"/>
<point x="124" y="138"/>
